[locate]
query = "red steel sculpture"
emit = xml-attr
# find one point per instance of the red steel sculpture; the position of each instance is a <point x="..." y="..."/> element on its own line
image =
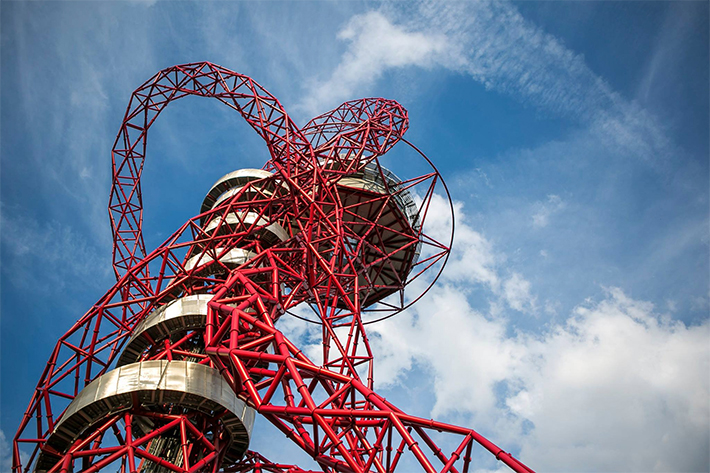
<point x="167" y="371"/>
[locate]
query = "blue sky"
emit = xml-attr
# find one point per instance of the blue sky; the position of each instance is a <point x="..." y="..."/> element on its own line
<point x="571" y="324"/>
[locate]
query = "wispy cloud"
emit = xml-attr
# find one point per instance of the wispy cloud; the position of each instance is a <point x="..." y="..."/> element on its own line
<point x="545" y="210"/>
<point x="474" y="259"/>
<point x="476" y="262"/>
<point x="69" y="106"/>
<point x="375" y="45"/>
<point x="5" y="453"/>
<point x="614" y="366"/>
<point x="495" y="45"/>
<point x="51" y="256"/>
<point x="516" y="290"/>
<point x="619" y="368"/>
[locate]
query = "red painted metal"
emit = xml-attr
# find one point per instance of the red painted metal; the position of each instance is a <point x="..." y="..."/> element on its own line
<point x="333" y="260"/>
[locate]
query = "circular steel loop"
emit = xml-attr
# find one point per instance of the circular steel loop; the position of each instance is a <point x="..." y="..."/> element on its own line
<point x="381" y="311"/>
<point x="356" y="239"/>
<point x="388" y="253"/>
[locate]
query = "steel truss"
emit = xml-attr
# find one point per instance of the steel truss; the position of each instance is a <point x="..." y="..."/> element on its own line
<point x="345" y="251"/>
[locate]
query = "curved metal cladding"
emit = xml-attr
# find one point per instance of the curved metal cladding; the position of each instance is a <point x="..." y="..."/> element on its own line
<point x="168" y="322"/>
<point x="146" y="385"/>
<point x="231" y="183"/>
<point x="378" y="218"/>
<point x="374" y="198"/>
<point x="168" y="370"/>
<point x="152" y="385"/>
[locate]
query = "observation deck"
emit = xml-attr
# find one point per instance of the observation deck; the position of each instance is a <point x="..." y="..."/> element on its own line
<point x="384" y="229"/>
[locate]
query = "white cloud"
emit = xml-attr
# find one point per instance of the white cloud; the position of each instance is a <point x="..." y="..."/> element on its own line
<point x="552" y="307"/>
<point x="447" y="335"/>
<point x="615" y="386"/>
<point x="545" y="210"/>
<point x="474" y="260"/>
<point x="66" y="258"/>
<point x="307" y="336"/>
<point x="496" y="46"/>
<point x="516" y="290"/>
<point x="671" y="305"/>
<point x="5" y="453"/>
<point x="464" y="339"/>
<point x="375" y="45"/>
<point x="699" y="303"/>
<point x="600" y="389"/>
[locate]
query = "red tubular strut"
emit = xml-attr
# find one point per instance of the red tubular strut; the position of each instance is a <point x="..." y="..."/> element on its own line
<point x="324" y="226"/>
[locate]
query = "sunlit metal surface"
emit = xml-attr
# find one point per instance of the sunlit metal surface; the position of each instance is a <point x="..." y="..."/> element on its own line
<point x="230" y="183"/>
<point x="390" y="253"/>
<point x="186" y="313"/>
<point x="232" y="258"/>
<point x="270" y="233"/>
<point x="351" y="244"/>
<point x="153" y="383"/>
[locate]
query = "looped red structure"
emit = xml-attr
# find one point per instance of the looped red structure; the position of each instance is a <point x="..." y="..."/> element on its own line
<point x="168" y="370"/>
